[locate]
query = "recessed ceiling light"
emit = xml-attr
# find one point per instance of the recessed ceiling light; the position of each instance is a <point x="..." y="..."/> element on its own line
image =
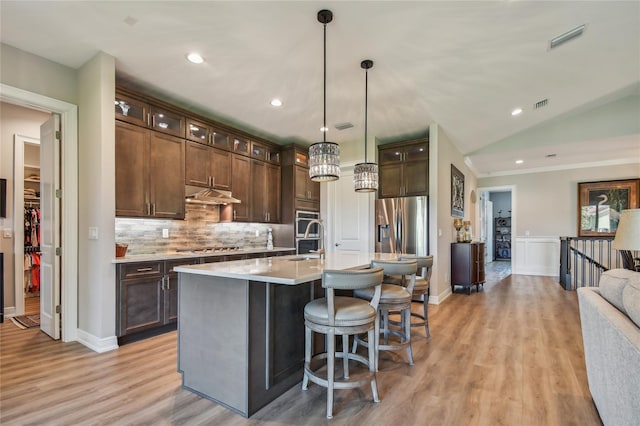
<point x="195" y="58"/>
<point x="516" y="111"/>
<point x="276" y="102"/>
<point x="324" y="129"/>
<point x="519" y="161"/>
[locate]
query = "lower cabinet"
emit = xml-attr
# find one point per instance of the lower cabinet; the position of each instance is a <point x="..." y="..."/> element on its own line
<point x="147" y="293"/>
<point x="467" y="265"/>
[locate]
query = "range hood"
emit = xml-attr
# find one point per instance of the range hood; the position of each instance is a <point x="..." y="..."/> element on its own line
<point x="212" y="196"/>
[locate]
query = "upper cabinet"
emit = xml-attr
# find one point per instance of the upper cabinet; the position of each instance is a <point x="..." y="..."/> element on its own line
<point x="265" y="192"/>
<point x="207" y="166"/>
<point x="161" y="148"/>
<point x="299" y="192"/>
<point x="404" y="169"/>
<point x="149" y="173"/>
<point x="207" y="134"/>
<point x="145" y="114"/>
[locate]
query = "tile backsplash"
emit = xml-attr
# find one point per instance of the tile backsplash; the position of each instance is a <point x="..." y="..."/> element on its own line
<point x="200" y="228"/>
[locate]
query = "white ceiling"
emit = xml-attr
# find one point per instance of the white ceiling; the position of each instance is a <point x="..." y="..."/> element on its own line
<point x="463" y="65"/>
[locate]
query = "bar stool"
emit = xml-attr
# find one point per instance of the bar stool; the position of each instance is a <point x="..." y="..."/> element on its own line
<point x="420" y="290"/>
<point x="393" y="298"/>
<point x="344" y="316"/>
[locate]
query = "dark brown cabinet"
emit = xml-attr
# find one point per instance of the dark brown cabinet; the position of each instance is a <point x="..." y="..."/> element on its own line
<point x="404" y="169"/>
<point x="207" y="166"/>
<point x="142" y="113"/>
<point x="299" y="192"/>
<point x="139" y="297"/>
<point x="240" y="181"/>
<point x="147" y="295"/>
<point x="265" y="192"/>
<point x="198" y="131"/>
<point x="467" y="265"/>
<point x="149" y="173"/>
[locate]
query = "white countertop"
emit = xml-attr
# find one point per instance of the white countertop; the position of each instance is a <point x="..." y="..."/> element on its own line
<point x="190" y="255"/>
<point x="285" y="269"/>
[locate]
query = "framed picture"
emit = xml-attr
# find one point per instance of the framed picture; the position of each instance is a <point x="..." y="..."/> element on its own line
<point x="600" y="205"/>
<point x="457" y="192"/>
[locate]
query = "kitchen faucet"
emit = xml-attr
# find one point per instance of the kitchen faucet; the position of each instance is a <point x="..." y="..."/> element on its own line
<point x="306" y="235"/>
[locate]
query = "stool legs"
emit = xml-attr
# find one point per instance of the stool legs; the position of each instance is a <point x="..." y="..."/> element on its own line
<point x="373" y="366"/>
<point x="406" y="314"/>
<point x="383" y="334"/>
<point x="307" y="357"/>
<point x="426" y="319"/>
<point x="331" y="354"/>
<point x="345" y="355"/>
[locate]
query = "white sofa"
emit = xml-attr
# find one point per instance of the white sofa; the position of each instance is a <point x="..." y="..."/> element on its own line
<point x="610" y="319"/>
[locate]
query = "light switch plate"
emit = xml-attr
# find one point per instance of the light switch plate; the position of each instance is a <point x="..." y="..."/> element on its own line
<point x="6" y="233"/>
<point x="257" y="233"/>
<point x="93" y="233"/>
<point x="165" y="233"/>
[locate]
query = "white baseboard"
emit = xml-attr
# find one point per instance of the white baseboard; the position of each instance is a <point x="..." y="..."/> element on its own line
<point x="97" y="344"/>
<point x="436" y="300"/>
<point x="9" y="311"/>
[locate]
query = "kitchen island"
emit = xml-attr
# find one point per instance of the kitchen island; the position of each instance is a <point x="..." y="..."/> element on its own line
<point x="241" y="324"/>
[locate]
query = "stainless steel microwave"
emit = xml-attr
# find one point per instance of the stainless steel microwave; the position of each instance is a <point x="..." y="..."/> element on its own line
<point x="302" y="221"/>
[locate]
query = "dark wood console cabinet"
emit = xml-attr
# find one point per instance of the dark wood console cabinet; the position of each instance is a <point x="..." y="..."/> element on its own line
<point x="467" y="265"/>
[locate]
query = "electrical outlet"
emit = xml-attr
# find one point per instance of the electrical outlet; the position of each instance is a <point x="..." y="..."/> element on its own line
<point x="165" y="233"/>
<point x="93" y="233"/>
<point x="6" y="233"/>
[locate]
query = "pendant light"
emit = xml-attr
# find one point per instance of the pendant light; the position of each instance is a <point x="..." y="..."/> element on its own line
<point x="324" y="157"/>
<point x="365" y="175"/>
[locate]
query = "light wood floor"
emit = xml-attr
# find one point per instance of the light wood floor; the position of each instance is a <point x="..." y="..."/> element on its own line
<point x="509" y="355"/>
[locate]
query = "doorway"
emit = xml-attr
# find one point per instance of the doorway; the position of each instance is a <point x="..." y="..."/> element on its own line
<point x="497" y="218"/>
<point x="27" y="217"/>
<point x="68" y="203"/>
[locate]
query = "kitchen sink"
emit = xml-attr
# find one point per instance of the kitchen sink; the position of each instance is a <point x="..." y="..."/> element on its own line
<point x="305" y="257"/>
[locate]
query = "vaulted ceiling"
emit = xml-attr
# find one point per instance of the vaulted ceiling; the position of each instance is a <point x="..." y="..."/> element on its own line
<point x="463" y="65"/>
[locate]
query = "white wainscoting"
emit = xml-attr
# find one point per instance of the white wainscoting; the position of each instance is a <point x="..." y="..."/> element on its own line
<point x="536" y="256"/>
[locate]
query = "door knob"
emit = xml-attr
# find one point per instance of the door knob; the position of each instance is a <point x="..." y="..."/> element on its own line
<point x="337" y="244"/>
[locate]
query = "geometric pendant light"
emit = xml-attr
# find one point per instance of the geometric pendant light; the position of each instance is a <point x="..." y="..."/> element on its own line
<point x="365" y="175"/>
<point x="324" y="157"/>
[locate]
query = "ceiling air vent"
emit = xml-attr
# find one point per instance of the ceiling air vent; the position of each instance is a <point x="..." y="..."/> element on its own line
<point x="569" y="35"/>
<point x="344" y="126"/>
<point x="541" y="103"/>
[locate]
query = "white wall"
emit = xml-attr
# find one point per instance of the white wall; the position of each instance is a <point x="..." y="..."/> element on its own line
<point x="38" y="75"/>
<point x="442" y="153"/>
<point x="547" y="202"/>
<point x="22" y="121"/>
<point x="96" y="190"/>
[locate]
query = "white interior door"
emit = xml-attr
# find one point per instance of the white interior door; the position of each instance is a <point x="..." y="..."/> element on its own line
<point x="351" y="214"/>
<point x="49" y="227"/>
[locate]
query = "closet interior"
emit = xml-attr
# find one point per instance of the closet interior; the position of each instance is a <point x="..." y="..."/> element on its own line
<point x="32" y="219"/>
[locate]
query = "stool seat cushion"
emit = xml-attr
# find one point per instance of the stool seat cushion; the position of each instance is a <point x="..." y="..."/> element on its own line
<point x="391" y="293"/>
<point x="349" y="311"/>
<point x="421" y="286"/>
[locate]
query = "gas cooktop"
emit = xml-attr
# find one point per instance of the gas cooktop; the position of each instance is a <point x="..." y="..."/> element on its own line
<point x="204" y="250"/>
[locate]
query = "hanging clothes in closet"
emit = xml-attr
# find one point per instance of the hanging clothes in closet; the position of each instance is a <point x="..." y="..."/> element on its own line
<point x="32" y="249"/>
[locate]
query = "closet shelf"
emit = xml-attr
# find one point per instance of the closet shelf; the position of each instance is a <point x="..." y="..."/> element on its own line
<point x="32" y="180"/>
<point x="32" y="166"/>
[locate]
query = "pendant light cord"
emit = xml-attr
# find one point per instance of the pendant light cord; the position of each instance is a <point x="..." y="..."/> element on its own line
<point x="324" y="90"/>
<point x="366" y="95"/>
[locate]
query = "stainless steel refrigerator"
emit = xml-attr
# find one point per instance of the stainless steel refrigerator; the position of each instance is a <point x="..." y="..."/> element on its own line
<point x="402" y="225"/>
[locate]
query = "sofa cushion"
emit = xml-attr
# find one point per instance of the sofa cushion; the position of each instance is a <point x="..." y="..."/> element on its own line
<point x="631" y="299"/>
<point x="613" y="282"/>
